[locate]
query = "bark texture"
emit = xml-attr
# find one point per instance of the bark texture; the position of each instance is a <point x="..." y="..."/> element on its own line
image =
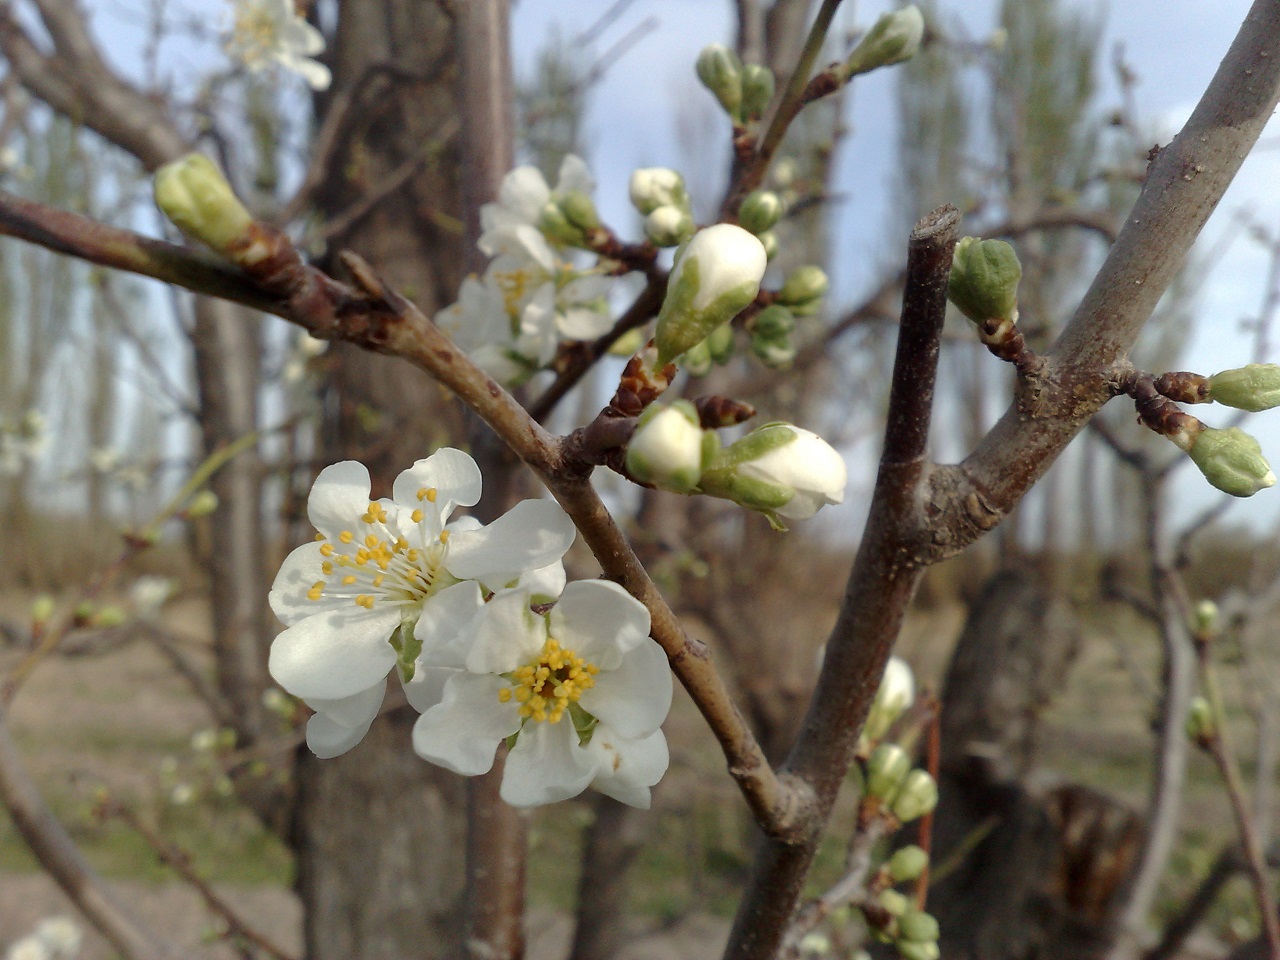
<point x="378" y="832"/>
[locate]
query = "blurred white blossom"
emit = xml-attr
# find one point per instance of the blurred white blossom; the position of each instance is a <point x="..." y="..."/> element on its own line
<point x="271" y="31"/>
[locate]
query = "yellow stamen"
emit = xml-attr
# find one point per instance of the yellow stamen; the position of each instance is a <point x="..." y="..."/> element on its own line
<point x="417" y="516"/>
<point x="346" y="536"/>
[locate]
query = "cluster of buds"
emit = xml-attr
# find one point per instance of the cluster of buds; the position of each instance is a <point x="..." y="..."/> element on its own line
<point x="658" y="193"/>
<point x="913" y="932"/>
<point x="569" y="218"/>
<point x="759" y="213"/>
<point x="779" y="470"/>
<point x="743" y="91"/>
<point x="891" y="783"/>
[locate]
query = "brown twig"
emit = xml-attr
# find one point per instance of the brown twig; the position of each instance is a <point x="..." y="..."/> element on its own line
<point x="179" y="861"/>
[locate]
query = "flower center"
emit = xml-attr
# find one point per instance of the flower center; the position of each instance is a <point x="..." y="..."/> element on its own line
<point x="255" y="34"/>
<point x="380" y="566"/>
<point x="546" y="686"/>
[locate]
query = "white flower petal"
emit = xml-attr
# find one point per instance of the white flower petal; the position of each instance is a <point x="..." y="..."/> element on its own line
<point x="508" y="635"/>
<point x="334" y="654"/>
<point x="313" y="73"/>
<point x="546" y="765"/>
<point x="339" y="725"/>
<point x="359" y="708"/>
<point x="635" y="698"/>
<point x="600" y="621"/>
<point x="524" y="192"/>
<point x="574" y="175"/>
<point x="338" y="497"/>
<point x="299" y="572"/>
<point x="544" y="584"/>
<point x="532" y="534"/>
<point x="583" y="323"/>
<point x="463" y="731"/>
<point x="628" y="768"/>
<point x="426" y="689"/>
<point x="301" y="37"/>
<point x="448" y="618"/>
<point x="452" y="473"/>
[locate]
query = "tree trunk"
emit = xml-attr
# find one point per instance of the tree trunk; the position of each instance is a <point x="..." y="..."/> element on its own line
<point x="378" y="832"/>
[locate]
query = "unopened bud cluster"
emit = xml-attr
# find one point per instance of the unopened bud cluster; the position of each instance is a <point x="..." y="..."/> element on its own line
<point x="744" y="92"/>
<point x="658" y="193"/>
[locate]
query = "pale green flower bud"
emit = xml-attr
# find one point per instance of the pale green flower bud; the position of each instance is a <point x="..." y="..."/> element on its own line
<point x="109" y="616"/>
<point x="666" y="449"/>
<point x="668" y="226"/>
<point x="894" y="902"/>
<point x="984" y="280"/>
<point x="1232" y="461"/>
<point x="895" y="37"/>
<point x="897" y="692"/>
<point x="759" y="211"/>
<point x="917" y="796"/>
<point x="918" y="927"/>
<point x="774" y="321"/>
<point x="42" y="608"/>
<point x="195" y="196"/>
<point x="1205" y="617"/>
<point x="580" y="210"/>
<point x="720" y="71"/>
<point x="714" y="278"/>
<point x="917" y="950"/>
<point x="907" y="863"/>
<point x="757" y="91"/>
<point x="887" y="766"/>
<point x="720" y="344"/>
<point x="1201" y="724"/>
<point x="627" y="344"/>
<point x="653" y="187"/>
<point x="776" y="353"/>
<point x="203" y="503"/>
<point x="696" y="361"/>
<point x="559" y="228"/>
<point x="804" y="289"/>
<point x="769" y="240"/>
<point x="1254" y="387"/>
<point x="780" y="470"/>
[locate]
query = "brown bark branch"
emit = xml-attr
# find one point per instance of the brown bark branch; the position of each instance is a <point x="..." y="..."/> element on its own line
<point x="884" y="577"/>
<point x="59" y="856"/>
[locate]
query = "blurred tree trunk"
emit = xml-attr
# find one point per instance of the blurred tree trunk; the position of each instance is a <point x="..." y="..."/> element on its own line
<point x="378" y="833"/>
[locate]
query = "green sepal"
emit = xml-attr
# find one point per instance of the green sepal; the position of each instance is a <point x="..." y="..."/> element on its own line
<point x="407" y="647"/>
<point x="584" y="724"/>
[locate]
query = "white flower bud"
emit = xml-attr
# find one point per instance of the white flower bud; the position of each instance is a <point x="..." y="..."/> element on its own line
<point x="653" y="187"/>
<point x="668" y="226"/>
<point x="907" y="863"/>
<point x="780" y="470"/>
<point x="195" y="196"/>
<point x="666" y="449"/>
<point x="716" y="276"/>
<point x="897" y="692"/>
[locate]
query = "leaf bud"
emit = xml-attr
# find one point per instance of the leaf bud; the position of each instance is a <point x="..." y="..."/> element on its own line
<point x="42" y="608"/>
<point x="666" y="449"/>
<point x="917" y="796"/>
<point x="907" y="863"/>
<point x="109" y="616"/>
<point x="668" y="226"/>
<point x="1202" y="726"/>
<point x="918" y="927"/>
<point x="984" y="280"/>
<point x="654" y="187"/>
<point x="895" y="37"/>
<point x="887" y="767"/>
<point x="804" y="289"/>
<point x="1232" y="461"/>
<point x="714" y="278"/>
<point x="1253" y="387"/>
<point x="720" y="71"/>
<point x="759" y="211"/>
<point x="558" y="227"/>
<point x="757" y="91"/>
<point x="196" y="198"/>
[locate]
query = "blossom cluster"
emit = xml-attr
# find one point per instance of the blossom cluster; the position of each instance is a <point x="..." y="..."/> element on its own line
<point x="533" y="294"/>
<point x="490" y="643"/>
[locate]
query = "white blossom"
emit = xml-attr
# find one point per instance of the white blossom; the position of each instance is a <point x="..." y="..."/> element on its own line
<point x="271" y="31"/>
<point x="808" y="466"/>
<point x="386" y="579"/>
<point x="582" y="688"/>
<point x="522" y="201"/>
